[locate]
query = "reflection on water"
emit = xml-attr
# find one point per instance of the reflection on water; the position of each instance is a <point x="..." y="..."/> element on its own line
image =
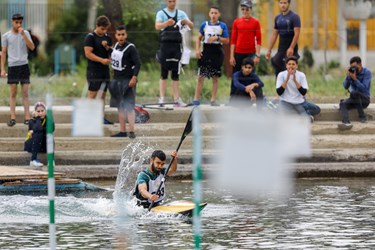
<point x="329" y="213"/>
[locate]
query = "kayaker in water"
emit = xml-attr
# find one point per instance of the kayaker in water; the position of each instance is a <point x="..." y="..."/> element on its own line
<point x="148" y="180"/>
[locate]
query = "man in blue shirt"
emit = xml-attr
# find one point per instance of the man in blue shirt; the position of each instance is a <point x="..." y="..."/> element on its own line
<point x="247" y="87"/>
<point x="358" y="82"/>
<point x="287" y="26"/>
<point x="212" y="35"/>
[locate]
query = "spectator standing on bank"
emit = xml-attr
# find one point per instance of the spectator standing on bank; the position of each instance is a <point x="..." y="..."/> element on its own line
<point x="98" y="60"/>
<point x="126" y="65"/>
<point x="358" y="82"/>
<point x="170" y="50"/>
<point x="15" y="44"/>
<point x="246" y="38"/>
<point x="214" y="33"/>
<point x="287" y="27"/>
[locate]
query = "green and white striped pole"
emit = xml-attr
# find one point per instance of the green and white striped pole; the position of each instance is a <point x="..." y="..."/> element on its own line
<point x="51" y="175"/>
<point x="197" y="175"/>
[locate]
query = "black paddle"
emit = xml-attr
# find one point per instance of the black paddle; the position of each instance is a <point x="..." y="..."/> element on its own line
<point x="187" y="130"/>
<point x="157" y="104"/>
<point x="152" y="105"/>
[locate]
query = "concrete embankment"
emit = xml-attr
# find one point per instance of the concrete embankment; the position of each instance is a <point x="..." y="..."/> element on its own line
<point x="335" y="153"/>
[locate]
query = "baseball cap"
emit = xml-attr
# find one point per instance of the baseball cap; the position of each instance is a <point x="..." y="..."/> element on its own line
<point x="247" y="3"/>
<point x="17" y="16"/>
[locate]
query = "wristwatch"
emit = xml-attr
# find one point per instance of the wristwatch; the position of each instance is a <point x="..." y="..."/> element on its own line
<point x="257" y="56"/>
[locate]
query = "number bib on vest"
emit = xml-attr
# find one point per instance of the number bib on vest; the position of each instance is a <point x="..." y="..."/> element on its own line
<point x="212" y="30"/>
<point x="153" y="188"/>
<point x="117" y="57"/>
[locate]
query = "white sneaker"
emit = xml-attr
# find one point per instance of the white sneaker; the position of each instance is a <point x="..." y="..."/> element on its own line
<point x="36" y="164"/>
<point x="179" y="103"/>
<point x="161" y="101"/>
<point x="344" y="126"/>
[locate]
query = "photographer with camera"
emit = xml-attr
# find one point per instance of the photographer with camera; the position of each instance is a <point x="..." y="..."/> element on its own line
<point x="357" y="81"/>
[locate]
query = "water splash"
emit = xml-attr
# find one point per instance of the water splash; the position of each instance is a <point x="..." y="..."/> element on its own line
<point x="132" y="160"/>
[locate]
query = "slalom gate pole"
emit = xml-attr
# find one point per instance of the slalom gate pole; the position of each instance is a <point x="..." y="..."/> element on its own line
<point x="197" y="176"/>
<point x="51" y="175"/>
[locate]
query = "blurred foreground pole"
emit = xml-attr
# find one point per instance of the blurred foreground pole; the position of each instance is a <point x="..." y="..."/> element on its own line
<point x="51" y="176"/>
<point x="197" y="175"/>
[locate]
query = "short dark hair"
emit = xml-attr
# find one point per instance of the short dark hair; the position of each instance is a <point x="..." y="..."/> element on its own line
<point x="215" y="7"/>
<point x="17" y="16"/>
<point x="246" y="61"/>
<point x="121" y="27"/>
<point x="355" y="59"/>
<point x="160" y="154"/>
<point x="102" y="21"/>
<point x="291" y="58"/>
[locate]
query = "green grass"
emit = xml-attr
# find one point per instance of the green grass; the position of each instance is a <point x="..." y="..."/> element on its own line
<point x="66" y="86"/>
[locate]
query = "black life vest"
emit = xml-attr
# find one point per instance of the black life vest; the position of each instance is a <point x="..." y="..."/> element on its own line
<point x="171" y="34"/>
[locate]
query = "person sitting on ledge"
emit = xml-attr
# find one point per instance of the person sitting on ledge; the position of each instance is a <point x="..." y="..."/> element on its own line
<point x="36" y="139"/>
<point x="358" y="83"/>
<point x="292" y="86"/>
<point x="247" y="86"/>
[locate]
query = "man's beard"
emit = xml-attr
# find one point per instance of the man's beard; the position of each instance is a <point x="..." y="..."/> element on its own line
<point x="154" y="169"/>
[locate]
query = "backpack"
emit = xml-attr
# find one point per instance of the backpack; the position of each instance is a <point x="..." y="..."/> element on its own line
<point x="141" y="115"/>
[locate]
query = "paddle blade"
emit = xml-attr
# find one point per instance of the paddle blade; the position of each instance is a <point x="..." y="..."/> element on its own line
<point x="189" y="125"/>
<point x="187" y="130"/>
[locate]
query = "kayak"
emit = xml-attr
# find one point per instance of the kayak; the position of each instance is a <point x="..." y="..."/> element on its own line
<point x="178" y="207"/>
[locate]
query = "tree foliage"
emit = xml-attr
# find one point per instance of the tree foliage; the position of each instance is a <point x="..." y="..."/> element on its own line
<point x="70" y="28"/>
<point x="139" y="18"/>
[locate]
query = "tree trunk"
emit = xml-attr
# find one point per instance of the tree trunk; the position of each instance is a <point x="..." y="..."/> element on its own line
<point x="228" y="10"/>
<point x="113" y="10"/>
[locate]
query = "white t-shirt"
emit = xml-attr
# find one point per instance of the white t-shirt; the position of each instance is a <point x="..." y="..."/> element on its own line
<point x="16" y="48"/>
<point x="291" y="93"/>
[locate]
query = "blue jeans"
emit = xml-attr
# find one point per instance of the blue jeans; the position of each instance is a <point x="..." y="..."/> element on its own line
<point x="311" y="108"/>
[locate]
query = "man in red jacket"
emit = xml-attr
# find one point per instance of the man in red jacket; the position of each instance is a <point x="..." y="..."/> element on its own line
<point x="246" y="38"/>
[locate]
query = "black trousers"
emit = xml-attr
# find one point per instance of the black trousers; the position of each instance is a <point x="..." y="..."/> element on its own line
<point x="278" y="60"/>
<point x="356" y="100"/>
<point x="38" y="145"/>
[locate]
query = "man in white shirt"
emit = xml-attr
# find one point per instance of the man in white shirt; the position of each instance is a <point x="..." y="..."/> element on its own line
<point x="291" y="86"/>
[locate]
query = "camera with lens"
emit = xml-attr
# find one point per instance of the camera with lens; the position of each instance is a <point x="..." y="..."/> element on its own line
<point x="353" y="69"/>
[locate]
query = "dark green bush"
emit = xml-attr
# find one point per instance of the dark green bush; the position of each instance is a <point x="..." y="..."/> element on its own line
<point x="307" y="57"/>
<point x="263" y="68"/>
